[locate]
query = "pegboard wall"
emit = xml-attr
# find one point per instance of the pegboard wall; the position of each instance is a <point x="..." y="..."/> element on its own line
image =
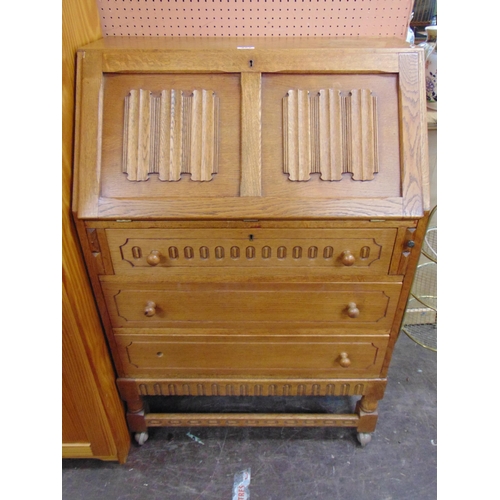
<point x="343" y="18"/>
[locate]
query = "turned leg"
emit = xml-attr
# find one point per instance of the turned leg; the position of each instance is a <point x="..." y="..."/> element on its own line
<point x="366" y="408"/>
<point x="367" y="405"/>
<point x="135" y="409"/>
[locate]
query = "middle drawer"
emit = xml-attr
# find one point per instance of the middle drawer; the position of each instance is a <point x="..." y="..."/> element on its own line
<point x="362" y="306"/>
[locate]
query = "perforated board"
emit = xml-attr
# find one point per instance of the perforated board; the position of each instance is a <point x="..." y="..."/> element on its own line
<point x="334" y="18"/>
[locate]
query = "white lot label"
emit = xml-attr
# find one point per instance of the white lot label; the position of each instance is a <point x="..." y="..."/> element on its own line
<point x="241" y="484"/>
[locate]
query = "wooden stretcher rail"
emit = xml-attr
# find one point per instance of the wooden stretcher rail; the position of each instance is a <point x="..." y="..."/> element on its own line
<point x="250" y="420"/>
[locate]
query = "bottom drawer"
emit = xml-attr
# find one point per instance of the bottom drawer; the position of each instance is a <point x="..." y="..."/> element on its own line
<point x="254" y="356"/>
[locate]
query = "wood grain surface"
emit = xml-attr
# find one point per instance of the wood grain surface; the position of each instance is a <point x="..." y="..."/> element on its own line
<point x="371" y="249"/>
<point x="263" y="356"/>
<point x="293" y="258"/>
<point x="378" y="174"/>
<point x="92" y="419"/>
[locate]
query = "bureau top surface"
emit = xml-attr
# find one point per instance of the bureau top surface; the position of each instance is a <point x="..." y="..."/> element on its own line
<point x="242" y="128"/>
<point x="117" y="43"/>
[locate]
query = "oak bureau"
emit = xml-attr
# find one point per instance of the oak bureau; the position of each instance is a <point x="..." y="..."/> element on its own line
<point x="251" y="213"/>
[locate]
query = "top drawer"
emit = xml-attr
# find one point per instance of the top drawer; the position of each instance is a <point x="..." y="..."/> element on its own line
<point x="344" y="251"/>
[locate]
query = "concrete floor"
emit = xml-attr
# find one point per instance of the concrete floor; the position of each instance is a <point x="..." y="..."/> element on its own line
<point x="286" y="463"/>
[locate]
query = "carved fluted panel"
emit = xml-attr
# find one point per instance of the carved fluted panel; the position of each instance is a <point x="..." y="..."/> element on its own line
<point x="170" y="134"/>
<point x="331" y="133"/>
<point x="362" y="143"/>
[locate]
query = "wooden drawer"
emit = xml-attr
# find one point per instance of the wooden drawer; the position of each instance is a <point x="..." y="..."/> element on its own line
<point x="358" y="306"/>
<point x="344" y="251"/>
<point x="248" y="355"/>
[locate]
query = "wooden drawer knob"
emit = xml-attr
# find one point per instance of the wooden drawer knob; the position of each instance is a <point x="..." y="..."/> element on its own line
<point x="347" y="258"/>
<point x="344" y="362"/>
<point x="153" y="258"/>
<point x="352" y="310"/>
<point x="150" y="309"/>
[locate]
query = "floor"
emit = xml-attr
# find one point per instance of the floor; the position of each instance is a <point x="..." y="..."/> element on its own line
<point x="286" y="463"/>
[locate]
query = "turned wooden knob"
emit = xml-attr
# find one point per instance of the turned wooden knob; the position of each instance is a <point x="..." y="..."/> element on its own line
<point x="347" y="258"/>
<point x="344" y="362"/>
<point x="150" y="309"/>
<point x="352" y="310"/>
<point x="153" y="258"/>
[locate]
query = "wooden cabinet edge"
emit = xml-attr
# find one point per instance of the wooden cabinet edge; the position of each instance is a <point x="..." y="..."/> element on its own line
<point x="77" y="450"/>
<point x="405" y="292"/>
<point x="84" y="451"/>
<point x="96" y="288"/>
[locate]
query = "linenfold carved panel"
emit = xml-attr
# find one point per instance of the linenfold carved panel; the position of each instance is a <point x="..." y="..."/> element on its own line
<point x="330" y="132"/>
<point x="170" y="134"/>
